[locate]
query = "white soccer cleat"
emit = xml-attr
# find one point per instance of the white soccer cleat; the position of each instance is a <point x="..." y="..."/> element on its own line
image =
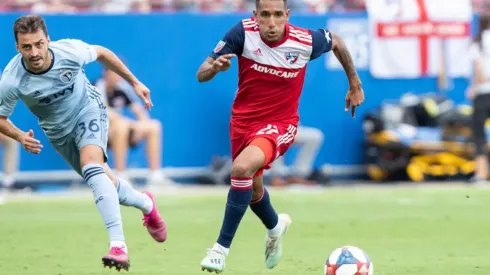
<point x="273" y="244"/>
<point x="214" y="261"/>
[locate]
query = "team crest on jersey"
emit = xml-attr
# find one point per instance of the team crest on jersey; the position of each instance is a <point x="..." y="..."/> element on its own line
<point x="219" y="46"/>
<point x="66" y="76"/>
<point x="292" y="57"/>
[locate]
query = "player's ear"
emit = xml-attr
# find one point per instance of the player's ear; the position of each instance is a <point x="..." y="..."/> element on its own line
<point x="17" y="47"/>
<point x="255" y="15"/>
<point x="49" y="39"/>
<point x="288" y="11"/>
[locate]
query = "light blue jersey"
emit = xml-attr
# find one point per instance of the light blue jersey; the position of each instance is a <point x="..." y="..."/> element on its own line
<point x="70" y="110"/>
<point x="58" y="96"/>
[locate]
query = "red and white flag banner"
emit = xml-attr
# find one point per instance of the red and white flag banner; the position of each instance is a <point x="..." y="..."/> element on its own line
<point x="412" y="38"/>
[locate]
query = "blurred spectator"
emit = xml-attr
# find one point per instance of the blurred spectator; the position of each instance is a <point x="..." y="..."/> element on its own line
<point x="481" y="6"/>
<point x="309" y="140"/>
<point x="348" y="5"/>
<point x="211" y="6"/>
<point x="53" y="6"/>
<point x="11" y="153"/>
<point x="112" y="6"/>
<point x="146" y="6"/>
<point x="122" y="6"/>
<point x="141" y="6"/>
<point x="125" y="132"/>
<point x="479" y="92"/>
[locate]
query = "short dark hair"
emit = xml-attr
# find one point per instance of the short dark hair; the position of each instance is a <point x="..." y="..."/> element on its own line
<point x="257" y="2"/>
<point x="29" y="24"/>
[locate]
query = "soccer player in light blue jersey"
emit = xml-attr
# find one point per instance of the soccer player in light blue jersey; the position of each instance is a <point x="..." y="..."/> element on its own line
<point x="49" y="78"/>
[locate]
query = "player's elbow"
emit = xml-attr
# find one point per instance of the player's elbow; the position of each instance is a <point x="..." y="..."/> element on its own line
<point x="200" y="77"/>
<point x="337" y="42"/>
<point x="102" y="52"/>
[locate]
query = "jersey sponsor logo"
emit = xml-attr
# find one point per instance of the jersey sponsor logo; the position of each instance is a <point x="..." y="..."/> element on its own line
<point x="275" y="72"/>
<point x="50" y="98"/>
<point x="66" y="76"/>
<point x="292" y="57"/>
<point x="219" y="46"/>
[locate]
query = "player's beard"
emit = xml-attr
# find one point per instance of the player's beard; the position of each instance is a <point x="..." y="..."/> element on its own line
<point x="38" y="63"/>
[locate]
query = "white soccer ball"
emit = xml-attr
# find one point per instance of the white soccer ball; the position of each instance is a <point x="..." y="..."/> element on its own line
<point x="348" y="260"/>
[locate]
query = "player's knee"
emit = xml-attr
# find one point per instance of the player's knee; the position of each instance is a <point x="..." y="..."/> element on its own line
<point x="91" y="154"/>
<point x="242" y="169"/>
<point x="121" y="126"/>
<point x="318" y="135"/>
<point x="155" y="126"/>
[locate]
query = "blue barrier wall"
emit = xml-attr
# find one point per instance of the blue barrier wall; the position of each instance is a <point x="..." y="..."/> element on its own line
<point x="164" y="51"/>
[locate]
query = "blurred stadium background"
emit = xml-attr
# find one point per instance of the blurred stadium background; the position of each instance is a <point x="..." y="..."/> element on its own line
<point x="413" y="129"/>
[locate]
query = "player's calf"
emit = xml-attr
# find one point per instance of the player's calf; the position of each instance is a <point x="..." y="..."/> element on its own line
<point x="239" y="198"/>
<point x="262" y="207"/>
<point x="106" y="200"/>
<point x="105" y="196"/>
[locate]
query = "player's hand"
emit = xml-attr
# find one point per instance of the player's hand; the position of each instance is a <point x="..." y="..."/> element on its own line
<point x="354" y="98"/>
<point x="223" y="62"/>
<point x="144" y="93"/>
<point x="29" y="143"/>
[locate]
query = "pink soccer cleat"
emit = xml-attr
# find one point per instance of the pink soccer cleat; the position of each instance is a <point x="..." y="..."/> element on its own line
<point x="116" y="258"/>
<point x="154" y="222"/>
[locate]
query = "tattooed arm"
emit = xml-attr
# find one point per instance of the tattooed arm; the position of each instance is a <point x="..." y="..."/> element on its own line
<point x="342" y="53"/>
<point x="355" y="95"/>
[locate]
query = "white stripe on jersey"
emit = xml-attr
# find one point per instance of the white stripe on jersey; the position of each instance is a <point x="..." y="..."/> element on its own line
<point x="301" y="35"/>
<point x="292" y="29"/>
<point x="248" y="23"/>
<point x="302" y="38"/>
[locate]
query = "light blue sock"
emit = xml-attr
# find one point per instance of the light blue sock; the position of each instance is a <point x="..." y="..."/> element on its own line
<point x="106" y="199"/>
<point x="128" y="196"/>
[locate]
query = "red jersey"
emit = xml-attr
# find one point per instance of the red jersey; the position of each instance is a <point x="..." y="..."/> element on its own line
<point x="271" y="75"/>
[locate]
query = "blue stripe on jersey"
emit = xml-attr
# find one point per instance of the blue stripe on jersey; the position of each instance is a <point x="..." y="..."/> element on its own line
<point x="322" y="42"/>
<point x="232" y="42"/>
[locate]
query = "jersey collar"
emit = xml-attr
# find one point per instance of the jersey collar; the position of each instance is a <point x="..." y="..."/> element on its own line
<point x="42" y="72"/>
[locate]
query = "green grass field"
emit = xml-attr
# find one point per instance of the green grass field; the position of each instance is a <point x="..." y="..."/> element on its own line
<point x="423" y="231"/>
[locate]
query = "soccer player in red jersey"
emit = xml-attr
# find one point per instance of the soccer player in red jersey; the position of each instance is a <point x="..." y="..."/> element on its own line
<point x="272" y="57"/>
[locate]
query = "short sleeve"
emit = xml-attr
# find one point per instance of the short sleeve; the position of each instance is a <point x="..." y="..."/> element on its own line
<point x="84" y="52"/>
<point x="232" y="42"/>
<point x="322" y="42"/>
<point x="8" y="98"/>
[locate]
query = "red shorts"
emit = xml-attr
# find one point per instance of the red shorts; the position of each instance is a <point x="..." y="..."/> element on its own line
<point x="280" y="134"/>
